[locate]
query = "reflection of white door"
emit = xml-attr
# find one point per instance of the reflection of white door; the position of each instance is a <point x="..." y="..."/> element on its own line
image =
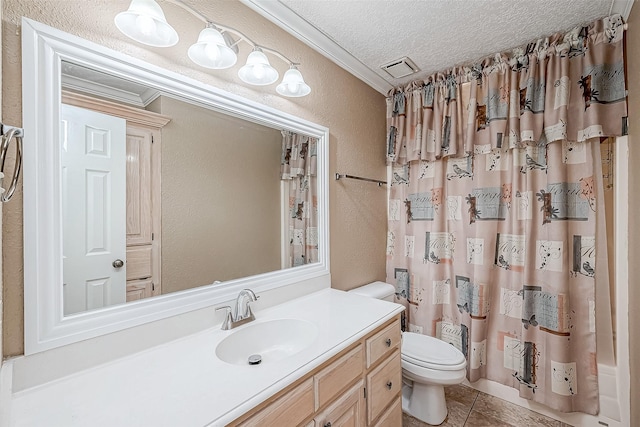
<point x="94" y="209"/>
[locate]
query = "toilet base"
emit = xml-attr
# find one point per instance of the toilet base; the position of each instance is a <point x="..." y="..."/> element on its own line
<point x="424" y="402"/>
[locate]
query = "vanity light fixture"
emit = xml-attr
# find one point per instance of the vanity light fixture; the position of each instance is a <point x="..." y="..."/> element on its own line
<point x="211" y="50"/>
<point x="145" y="23"/>
<point x="257" y="70"/>
<point x="293" y="84"/>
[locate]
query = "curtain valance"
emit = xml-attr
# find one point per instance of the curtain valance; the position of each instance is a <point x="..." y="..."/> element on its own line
<point x="564" y="87"/>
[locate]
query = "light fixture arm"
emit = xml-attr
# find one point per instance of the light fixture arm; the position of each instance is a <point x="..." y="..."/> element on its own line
<point x="190" y="9"/>
<point x="241" y="36"/>
<point x="275" y="53"/>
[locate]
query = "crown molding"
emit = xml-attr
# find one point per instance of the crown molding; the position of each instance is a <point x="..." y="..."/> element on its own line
<point x="297" y="26"/>
<point x="75" y="83"/>
<point x="130" y="114"/>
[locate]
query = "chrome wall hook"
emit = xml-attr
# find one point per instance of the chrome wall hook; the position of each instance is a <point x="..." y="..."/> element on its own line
<point x="8" y="134"/>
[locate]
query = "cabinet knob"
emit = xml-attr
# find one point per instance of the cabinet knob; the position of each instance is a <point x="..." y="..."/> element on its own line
<point x="388" y="342"/>
<point x="327" y="424"/>
<point x="117" y="263"/>
<point x="389" y="385"/>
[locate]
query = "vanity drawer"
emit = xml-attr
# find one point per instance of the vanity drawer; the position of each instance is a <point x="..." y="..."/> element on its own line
<point x="289" y="409"/>
<point x="383" y="385"/>
<point x="383" y="343"/>
<point x="333" y="379"/>
<point x="392" y="417"/>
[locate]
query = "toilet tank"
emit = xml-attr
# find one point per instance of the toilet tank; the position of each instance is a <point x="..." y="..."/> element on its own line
<point x="378" y="290"/>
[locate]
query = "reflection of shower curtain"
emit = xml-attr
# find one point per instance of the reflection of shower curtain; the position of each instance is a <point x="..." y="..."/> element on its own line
<point x="298" y="170"/>
<point x="492" y="214"/>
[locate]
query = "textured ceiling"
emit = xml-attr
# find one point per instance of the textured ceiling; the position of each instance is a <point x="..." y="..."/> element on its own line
<point x="439" y="34"/>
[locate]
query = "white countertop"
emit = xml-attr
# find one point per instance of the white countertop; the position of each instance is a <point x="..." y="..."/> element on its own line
<point x="183" y="383"/>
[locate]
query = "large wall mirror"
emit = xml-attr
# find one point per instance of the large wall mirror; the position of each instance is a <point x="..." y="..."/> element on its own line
<point x="147" y="194"/>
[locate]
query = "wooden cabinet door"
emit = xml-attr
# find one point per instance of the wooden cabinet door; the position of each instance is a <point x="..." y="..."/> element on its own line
<point x="139" y="224"/>
<point x="346" y="411"/>
<point x="392" y="417"/>
<point x="143" y="207"/>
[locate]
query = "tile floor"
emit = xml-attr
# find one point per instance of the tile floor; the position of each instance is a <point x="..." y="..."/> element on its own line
<point x="471" y="408"/>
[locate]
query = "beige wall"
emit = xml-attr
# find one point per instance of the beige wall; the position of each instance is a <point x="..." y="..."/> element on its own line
<point x="353" y="111"/>
<point x="633" y="71"/>
<point x="220" y="196"/>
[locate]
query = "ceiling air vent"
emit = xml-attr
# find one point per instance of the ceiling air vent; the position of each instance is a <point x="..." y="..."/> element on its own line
<point x="400" y="68"/>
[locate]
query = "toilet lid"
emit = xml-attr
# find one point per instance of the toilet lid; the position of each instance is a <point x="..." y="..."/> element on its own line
<point x="431" y="352"/>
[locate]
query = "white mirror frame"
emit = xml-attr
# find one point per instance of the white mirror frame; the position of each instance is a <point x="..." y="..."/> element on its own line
<point x="43" y="49"/>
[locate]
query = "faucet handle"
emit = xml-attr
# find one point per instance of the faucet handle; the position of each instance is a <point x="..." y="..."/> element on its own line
<point x="226" y="324"/>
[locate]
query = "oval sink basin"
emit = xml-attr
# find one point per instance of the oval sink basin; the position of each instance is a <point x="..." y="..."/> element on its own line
<point x="273" y="340"/>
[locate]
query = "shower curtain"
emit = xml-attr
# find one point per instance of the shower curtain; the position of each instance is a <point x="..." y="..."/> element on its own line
<point x="495" y="198"/>
<point x="298" y="171"/>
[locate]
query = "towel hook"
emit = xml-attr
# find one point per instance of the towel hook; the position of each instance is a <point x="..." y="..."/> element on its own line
<point x="9" y="133"/>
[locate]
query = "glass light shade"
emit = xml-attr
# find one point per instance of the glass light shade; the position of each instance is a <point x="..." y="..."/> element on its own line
<point x="145" y="23"/>
<point x="257" y="70"/>
<point x="211" y="51"/>
<point x="293" y="84"/>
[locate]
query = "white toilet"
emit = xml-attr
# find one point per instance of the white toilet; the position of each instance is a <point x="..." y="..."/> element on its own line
<point x="428" y="364"/>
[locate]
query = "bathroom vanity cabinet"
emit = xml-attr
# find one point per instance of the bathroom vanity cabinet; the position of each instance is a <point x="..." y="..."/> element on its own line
<point x="359" y="386"/>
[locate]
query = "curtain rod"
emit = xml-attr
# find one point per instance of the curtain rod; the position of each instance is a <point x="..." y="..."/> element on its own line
<point x="377" y="181"/>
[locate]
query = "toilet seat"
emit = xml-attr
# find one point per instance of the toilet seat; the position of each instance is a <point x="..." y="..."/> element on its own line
<point x="434" y="366"/>
<point x="432" y="353"/>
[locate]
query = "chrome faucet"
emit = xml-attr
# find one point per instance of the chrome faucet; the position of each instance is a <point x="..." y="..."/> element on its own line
<point x="243" y="310"/>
